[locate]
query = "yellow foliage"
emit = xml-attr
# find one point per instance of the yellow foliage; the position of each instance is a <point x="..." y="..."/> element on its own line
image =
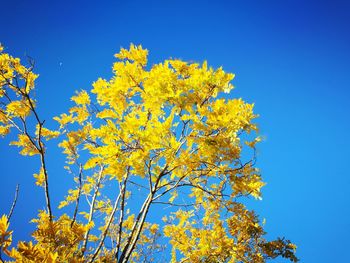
<point x="28" y="147"/>
<point x="5" y="234"/>
<point x="4" y="130"/>
<point x="18" y="109"/>
<point x="165" y="133"/>
<point x="135" y="53"/>
<point x="82" y="98"/>
<point x="40" y="178"/>
<point x="46" y="133"/>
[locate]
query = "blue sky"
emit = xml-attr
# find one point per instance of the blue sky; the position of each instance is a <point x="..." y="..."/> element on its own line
<point x="291" y="58"/>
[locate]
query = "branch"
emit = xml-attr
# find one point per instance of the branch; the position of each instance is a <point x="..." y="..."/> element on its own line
<point x="121" y="216"/>
<point x="205" y="190"/>
<point x="138" y="225"/>
<point x="137" y="230"/>
<point x="13" y="203"/>
<point x="172" y="204"/>
<point x="79" y="194"/>
<point x="104" y="234"/>
<point x="170" y="188"/>
<point x="39" y="146"/>
<point x="92" y="207"/>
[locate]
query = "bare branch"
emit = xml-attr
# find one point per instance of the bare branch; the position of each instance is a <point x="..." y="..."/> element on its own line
<point x="79" y="194"/>
<point x="92" y="208"/>
<point x="104" y="234"/>
<point x="121" y="216"/>
<point x="172" y="204"/>
<point x="13" y="203"/>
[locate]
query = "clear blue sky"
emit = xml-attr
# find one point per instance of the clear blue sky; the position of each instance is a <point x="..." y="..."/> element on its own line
<point x="291" y="58"/>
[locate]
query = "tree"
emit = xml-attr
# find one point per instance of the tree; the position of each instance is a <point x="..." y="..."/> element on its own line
<point x="156" y="136"/>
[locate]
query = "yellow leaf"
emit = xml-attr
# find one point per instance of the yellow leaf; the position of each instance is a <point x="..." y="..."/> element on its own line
<point x="82" y="98"/>
<point x="40" y="178"/>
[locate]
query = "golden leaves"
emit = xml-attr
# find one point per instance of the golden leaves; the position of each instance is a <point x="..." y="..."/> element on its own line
<point x="50" y="235"/>
<point x="46" y="133"/>
<point x="70" y="198"/>
<point x="82" y="98"/>
<point x="28" y="252"/>
<point x="18" y="109"/>
<point x="135" y="53"/>
<point x="4" y="130"/>
<point x="107" y="113"/>
<point x="248" y="183"/>
<point x="28" y="147"/>
<point x="5" y="234"/>
<point x="40" y="178"/>
<point x="64" y="119"/>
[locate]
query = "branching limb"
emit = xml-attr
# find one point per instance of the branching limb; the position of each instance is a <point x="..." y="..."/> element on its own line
<point x="138" y="224"/>
<point x="104" y="234"/>
<point x="39" y="145"/>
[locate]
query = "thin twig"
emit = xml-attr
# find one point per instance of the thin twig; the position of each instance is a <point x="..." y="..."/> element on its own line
<point x="79" y="194"/>
<point x="13" y="203"/>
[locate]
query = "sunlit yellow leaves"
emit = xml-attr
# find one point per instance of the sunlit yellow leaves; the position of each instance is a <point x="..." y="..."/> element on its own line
<point x="50" y="236"/>
<point x="27" y="145"/>
<point x="212" y="241"/>
<point x="7" y="69"/>
<point x="228" y="88"/>
<point x="4" y="130"/>
<point x="234" y="114"/>
<point x="28" y="252"/>
<point x="107" y="113"/>
<point x="173" y="194"/>
<point x="64" y="119"/>
<point x="5" y="234"/>
<point x="18" y="109"/>
<point x="71" y="197"/>
<point x="80" y="114"/>
<point x="46" y="133"/>
<point x="135" y="53"/>
<point x="128" y="77"/>
<point x="249" y="183"/>
<point x="253" y="143"/>
<point x="74" y="139"/>
<point x="2" y="91"/>
<point x="84" y="214"/>
<point x="92" y="162"/>
<point x="40" y="178"/>
<point x="129" y="221"/>
<point x="30" y="79"/>
<point x="101" y="88"/>
<point x="14" y="73"/>
<point x="154" y="228"/>
<point x="82" y="98"/>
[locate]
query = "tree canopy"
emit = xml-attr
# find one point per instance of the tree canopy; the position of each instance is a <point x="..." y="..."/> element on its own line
<point x="151" y="136"/>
